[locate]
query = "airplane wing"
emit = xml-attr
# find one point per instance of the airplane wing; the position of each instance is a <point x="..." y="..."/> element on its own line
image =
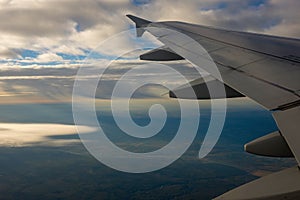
<point x="262" y="67"/>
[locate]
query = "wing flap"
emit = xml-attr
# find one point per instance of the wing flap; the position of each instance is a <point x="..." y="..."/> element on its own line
<point x="288" y="123"/>
<point x="269" y="95"/>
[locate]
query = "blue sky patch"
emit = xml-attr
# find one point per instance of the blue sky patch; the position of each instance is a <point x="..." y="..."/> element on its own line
<point x="72" y="57"/>
<point x="25" y="53"/>
<point x="78" y="27"/>
<point x="256" y="3"/>
<point x="140" y="2"/>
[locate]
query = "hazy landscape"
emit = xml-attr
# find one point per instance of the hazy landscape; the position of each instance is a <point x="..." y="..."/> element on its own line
<point x="41" y="171"/>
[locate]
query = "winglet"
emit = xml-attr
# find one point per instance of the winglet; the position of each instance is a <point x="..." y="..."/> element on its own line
<point x="140" y="24"/>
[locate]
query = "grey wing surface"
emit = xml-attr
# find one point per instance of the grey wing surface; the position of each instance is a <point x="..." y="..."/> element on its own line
<point x="262" y="67"/>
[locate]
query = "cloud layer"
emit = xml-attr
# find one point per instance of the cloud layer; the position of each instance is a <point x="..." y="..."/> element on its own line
<point x="73" y="27"/>
<point x="43" y="43"/>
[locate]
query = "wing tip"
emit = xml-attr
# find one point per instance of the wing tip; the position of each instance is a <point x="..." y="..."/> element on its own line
<point x="140" y="23"/>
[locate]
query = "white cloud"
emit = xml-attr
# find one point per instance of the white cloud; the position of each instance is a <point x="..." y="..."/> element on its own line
<point x="48" y="57"/>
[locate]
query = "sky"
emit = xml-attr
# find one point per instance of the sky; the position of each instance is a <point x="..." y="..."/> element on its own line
<point x="43" y="31"/>
<point x="43" y="43"/>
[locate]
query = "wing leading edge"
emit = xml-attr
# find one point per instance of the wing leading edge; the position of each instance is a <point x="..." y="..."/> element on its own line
<point x="262" y="67"/>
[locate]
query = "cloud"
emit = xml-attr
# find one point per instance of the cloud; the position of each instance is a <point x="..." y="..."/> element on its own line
<point x="20" y="135"/>
<point x="43" y="43"/>
<point x="55" y="84"/>
<point x="8" y="53"/>
<point x="246" y="15"/>
<point x="40" y="25"/>
<point x="48" y="57"/>
<point x="73" y="27"/>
